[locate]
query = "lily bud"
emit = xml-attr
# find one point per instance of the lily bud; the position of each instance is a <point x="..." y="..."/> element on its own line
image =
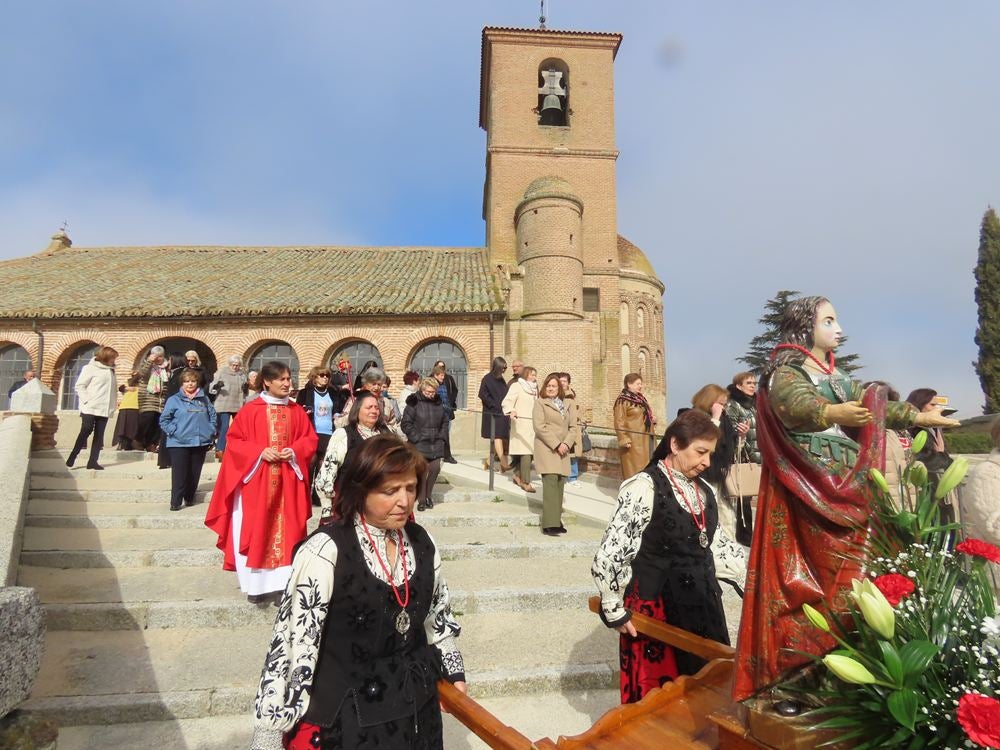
<point x="848" y="669"/>
<point x="919" y="441"/>
<point x="878" y="613"/>
<point x="816" y="618"/>
<point x="952" y="477"/>
<point x="918" y="474"/>
<point x="879" y="479"/>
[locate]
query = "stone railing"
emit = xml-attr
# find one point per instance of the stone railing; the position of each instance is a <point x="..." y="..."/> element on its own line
<point x="22" y="619"/>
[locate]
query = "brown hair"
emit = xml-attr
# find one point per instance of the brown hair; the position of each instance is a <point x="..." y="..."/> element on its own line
<point x="739" y="377"/>
<point x="368" y="467"/>
<point x="631" y="378"/>
<point x="438" y="370"/>
<point x="550" y="377"/>
<point x="526" y="370"/>
<point x="410" y="377"/>
<point x="706" y="396"/>
<point x="188" y="374"/>
<point x="691" y="425"/>
<point x="317" y="371"/>
<point x="270" y="371"/>
<point x="105" y="355"/>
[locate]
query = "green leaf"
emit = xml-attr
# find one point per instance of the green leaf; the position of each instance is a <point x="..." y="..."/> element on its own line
<point x="903" y="707"/>
<point x="893" y="662"/>
<point x="916" y="656"/>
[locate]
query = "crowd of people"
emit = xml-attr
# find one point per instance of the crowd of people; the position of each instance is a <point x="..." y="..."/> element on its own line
<point x="684" y="519"/>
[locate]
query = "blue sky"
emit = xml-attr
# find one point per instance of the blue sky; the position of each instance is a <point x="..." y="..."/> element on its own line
<point x="847" y="149"/>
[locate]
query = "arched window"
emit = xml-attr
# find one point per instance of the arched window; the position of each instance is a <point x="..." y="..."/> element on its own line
<point x="14" y="361"/>
<point x="358" y="353"/>
<point x="623" y="314"/>
<point x="180" y="345"/>
<point x="71" y="371"/>
<point x="454" y="361"/>
<point x="640" y="320"/>
<point x="626" y="359"/>
<point x="553" y="93"/>
<point x="642" y="366"/>
<point x="277" y="351"/>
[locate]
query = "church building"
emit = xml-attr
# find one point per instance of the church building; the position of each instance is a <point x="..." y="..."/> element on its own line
<point x="555" y="286"/>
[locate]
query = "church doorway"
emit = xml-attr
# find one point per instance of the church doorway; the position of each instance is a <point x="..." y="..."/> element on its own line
<point x="454" y="360"/>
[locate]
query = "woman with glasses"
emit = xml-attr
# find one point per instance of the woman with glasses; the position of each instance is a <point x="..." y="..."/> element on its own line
<point x="318" y="401"/>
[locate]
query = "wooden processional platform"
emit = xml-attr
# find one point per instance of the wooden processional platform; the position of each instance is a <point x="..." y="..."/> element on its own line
<point x="693" y="713"/>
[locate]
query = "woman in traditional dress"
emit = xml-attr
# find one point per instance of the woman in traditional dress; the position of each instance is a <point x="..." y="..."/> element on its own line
<point x="815" y="495"/>
<point x="519" y="405"/>
<point x="634" y="422"/>
<point x="656" y="557"/>
<point x="365" y="628"/>
<point x="364" y="421"/>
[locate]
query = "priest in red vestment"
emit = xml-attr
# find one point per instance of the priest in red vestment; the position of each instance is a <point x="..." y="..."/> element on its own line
<point x="261" y="501"/>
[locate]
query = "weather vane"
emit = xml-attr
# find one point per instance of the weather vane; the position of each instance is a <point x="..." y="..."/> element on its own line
<point x="541" y="16"/>
<point x="64" y="225"/>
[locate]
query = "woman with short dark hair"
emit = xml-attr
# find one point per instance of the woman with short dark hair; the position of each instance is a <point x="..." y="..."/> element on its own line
<point x="550" y="419"/>
<point x="317" y="399"/>
<point x="425" y="425"/>
<point x="656" y="557"/>
<point x="492" y="391"/>
<point x="189" y="423"/>
<point x="368" y="584"/>
<point x="634" y="422"/>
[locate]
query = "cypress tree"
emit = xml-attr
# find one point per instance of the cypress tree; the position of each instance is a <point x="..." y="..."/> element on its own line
<point x="988" y="304"/>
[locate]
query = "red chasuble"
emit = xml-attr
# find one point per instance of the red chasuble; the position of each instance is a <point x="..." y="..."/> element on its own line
<point x="810" y="524"/>
<point x="276" y="503"/>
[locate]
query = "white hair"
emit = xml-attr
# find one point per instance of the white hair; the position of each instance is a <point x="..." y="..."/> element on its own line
<point x="157" y="350"/>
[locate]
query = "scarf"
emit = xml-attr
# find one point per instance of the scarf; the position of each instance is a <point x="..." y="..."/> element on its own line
<point x="626" y="396"/>
<point x="273" y="400"/>
<point x="156" y="378"/>
<point x="531" y="388"/>
<point x="558" y="403"/>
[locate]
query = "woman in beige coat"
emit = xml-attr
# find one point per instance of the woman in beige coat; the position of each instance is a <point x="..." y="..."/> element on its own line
<point x="634" y="422"/>
<point x="551" y="419"/>
<point x="518" y="405"/>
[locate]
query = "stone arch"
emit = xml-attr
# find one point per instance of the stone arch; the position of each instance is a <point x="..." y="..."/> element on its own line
<point x="640" y="320"/>
<point x="27" y="341"/>
<point x="208" y="339"/>
<point x="458" y="367"/>
<point x="647" y="366"/>
<point x="356" y="363"/>
<point x="67" y="369"/>
<point x="626" y="359"/>
<point x="291" y="359"/>
<point x="624" y="313"/>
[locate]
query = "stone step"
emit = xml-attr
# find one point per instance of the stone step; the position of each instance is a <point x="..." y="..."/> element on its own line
<point x="140" y="493"/>
<point x="139" y="547"/>
<point x="139" y="472"/>
<point x="549" y="714"/>
<point x="149" y="675"/>
<point x="129" y="598"/>
<point x="100" y="515"/>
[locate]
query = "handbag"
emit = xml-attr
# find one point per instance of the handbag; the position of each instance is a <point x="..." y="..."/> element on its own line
<point x="743" y="480"/>
<point x="585" y="440"/>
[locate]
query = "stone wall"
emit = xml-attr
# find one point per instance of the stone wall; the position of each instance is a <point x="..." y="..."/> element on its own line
<point x="15" y="453"/>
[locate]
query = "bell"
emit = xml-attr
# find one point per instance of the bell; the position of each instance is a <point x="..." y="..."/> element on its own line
<point x="552" y="111"/>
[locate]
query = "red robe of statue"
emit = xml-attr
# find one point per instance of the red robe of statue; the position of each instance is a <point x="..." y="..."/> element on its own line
<point x="810" y="524"/>
<point x="276" y="503"/>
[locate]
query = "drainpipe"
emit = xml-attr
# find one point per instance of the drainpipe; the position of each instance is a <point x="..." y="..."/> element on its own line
<point x="41" y="346"/>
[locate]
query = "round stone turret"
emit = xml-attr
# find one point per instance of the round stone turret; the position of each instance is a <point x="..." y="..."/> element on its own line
<point x="549" y="226"/>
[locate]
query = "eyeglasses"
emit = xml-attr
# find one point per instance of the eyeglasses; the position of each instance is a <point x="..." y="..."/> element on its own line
<point x="192" y="361"/>
<point x="322" y="374"/>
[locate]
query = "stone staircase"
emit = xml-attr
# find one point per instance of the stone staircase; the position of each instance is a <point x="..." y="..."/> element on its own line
<point x="150" y="641"/>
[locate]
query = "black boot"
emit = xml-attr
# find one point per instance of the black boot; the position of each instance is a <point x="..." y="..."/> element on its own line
<point x="72" y="457"/>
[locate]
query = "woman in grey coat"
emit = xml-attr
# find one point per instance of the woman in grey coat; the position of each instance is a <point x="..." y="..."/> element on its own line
<point x="229" y="386"/>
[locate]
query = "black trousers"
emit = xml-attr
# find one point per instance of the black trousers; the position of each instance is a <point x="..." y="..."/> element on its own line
<point x="149" y="428"/>
<point x="185" y="473"/>
<point x="90" y="424"/>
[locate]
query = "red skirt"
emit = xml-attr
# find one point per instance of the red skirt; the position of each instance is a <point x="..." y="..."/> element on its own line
<point x="645" y="663"/>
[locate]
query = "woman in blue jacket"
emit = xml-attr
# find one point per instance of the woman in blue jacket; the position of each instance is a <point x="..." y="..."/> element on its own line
<point x="188" y="421"/>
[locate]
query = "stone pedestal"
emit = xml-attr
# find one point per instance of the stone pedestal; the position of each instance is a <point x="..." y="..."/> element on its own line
<point x="36" y="401"/>
<point x="22" y="622"/>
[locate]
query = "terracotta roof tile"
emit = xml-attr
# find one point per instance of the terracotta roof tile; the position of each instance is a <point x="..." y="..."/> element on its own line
<point x="127" y="282"/>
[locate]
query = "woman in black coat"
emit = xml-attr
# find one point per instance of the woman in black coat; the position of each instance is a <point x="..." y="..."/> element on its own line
<point x="492" y="390"/>
<point x="425" y="425"/>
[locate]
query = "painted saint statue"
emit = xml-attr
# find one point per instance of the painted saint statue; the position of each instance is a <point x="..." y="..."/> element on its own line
<point x="819" y="433"/>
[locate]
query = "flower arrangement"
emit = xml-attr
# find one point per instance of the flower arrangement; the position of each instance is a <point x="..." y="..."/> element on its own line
<point x="918" y="663"/>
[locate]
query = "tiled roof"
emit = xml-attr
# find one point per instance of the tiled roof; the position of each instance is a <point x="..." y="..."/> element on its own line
<point x="145" y="282"/>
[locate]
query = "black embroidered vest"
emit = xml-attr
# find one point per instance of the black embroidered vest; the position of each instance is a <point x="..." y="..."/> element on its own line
<point x="671" y="563"/>
<point x="363" y="659"/>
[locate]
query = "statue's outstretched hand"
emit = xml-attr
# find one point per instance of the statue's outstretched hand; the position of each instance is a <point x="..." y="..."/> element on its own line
<point x="849" y="414"/>
<point x="935" y="419"/>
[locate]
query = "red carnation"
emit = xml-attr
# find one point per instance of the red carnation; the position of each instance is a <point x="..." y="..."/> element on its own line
<point x="979" y="548"/>
<point x="894" y="587"/>
<point x="979" y="716"/>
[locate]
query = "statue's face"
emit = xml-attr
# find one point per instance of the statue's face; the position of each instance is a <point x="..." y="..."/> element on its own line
<point x="826" y="331"/>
